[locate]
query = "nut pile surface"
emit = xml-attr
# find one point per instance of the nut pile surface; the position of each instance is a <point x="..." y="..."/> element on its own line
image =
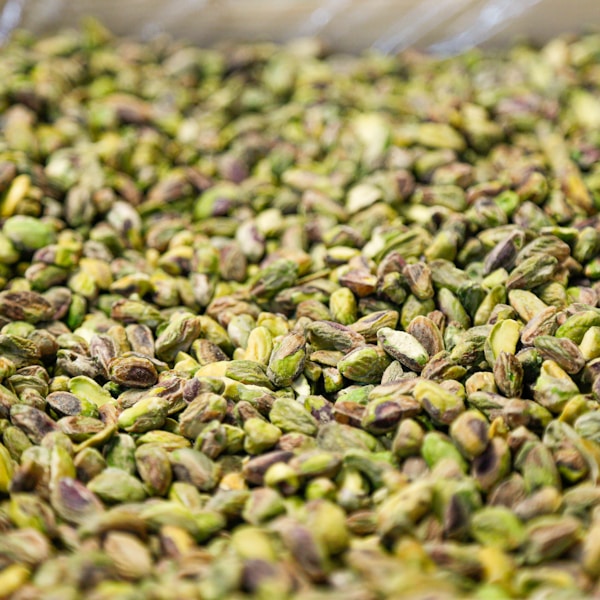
<point x="281" y="324"/>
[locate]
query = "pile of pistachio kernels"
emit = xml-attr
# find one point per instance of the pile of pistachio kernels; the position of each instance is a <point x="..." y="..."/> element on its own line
<point x="277" y="323"/>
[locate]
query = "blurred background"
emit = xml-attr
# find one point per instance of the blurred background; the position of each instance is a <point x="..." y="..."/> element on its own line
<point x="442" y="26"/>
